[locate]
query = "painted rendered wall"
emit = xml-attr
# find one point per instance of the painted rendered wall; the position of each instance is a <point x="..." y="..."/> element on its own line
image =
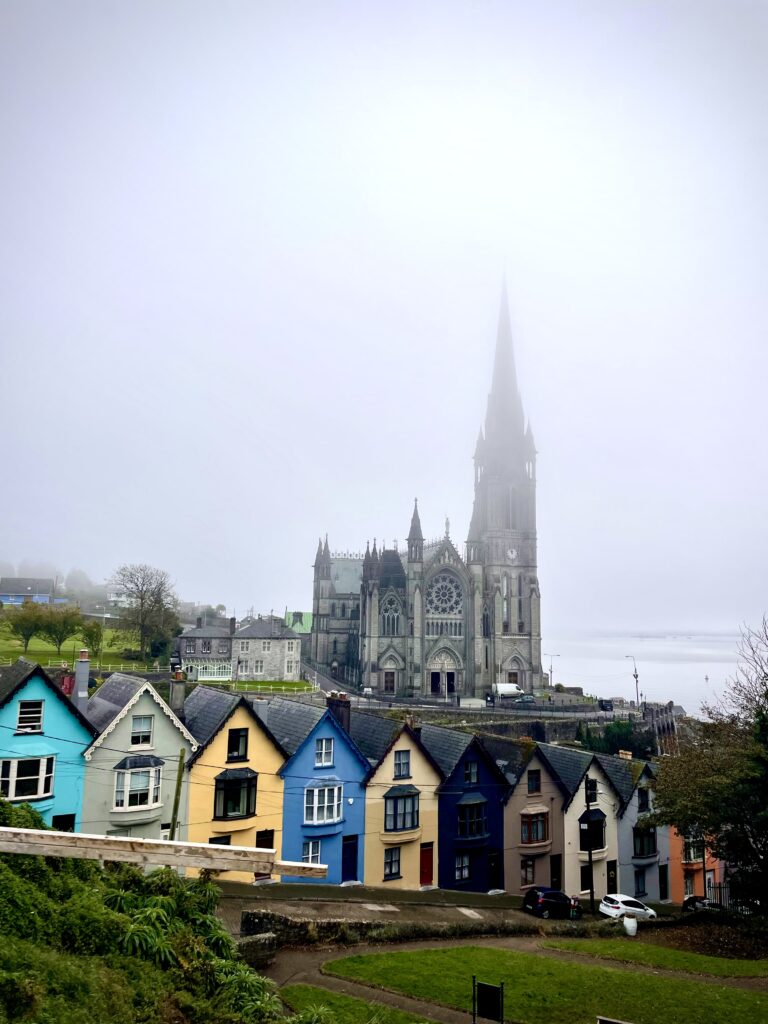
<point x="265" y="759"/>
<point x="522" y="802"/>
<point x="63" y="737"/>
<point x="426" y="779"/>
<point x="100" y="815"/>
<point x="628" y="863"/>
<point x="573" y="857"/>
<point x="299" y="773"/>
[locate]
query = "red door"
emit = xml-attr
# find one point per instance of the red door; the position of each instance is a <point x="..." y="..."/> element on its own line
<point x="425" y="864"/>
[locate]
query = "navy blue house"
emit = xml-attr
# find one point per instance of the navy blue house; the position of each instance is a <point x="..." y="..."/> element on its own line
<point x="471" y="803"/>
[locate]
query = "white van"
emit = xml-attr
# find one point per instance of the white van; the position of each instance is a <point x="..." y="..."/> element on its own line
<point x="506" y="690"/>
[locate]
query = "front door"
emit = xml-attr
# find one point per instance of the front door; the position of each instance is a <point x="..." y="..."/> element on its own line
<point x="450" y="680"/>
<point x="434" y="682"/>
<point x="663" y="882"/>
<point x="495" y="870"/>
<point x="425" y="863"/>
<point x="556" y="871"/>
<point x="349" y="859"/>
<point x="613" y="876"/>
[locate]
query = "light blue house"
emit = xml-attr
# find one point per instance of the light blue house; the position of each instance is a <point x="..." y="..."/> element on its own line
<point x="324" y="795"/>
<point x="44" y="736"/>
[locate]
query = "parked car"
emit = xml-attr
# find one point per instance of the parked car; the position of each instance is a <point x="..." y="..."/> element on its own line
<point x="545" y="902"/>
<point x="526" y="698"/>
<point x="701" y="903"/>
<point x="616" y="904"/>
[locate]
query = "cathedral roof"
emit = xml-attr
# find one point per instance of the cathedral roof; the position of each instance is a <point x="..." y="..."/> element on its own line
<point x="391" y="572"/>
<point x="415" y="531"/>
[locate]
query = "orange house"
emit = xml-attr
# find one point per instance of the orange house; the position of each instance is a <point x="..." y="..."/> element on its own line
<point x="692" y="870"/>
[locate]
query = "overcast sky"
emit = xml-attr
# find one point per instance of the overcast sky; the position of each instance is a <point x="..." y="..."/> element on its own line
<point x="251" y="256"/>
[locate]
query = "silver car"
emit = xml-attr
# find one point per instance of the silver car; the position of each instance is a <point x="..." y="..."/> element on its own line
<point x="616" y="904"/>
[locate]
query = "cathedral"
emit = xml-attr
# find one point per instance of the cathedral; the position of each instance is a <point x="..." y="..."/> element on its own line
<point x="429" y="621"/>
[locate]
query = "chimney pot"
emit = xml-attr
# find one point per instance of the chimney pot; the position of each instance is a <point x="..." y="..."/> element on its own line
<point x="199" y="621"/>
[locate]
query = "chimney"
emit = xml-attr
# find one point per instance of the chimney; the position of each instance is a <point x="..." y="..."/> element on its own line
<point x="339" y="705"/>
<point x="232" y="625"/>
<point x="82" y="672"/>
<point x="178" y="692"/>
<point x="625" y="755"/>
<point x="199" y="621"/>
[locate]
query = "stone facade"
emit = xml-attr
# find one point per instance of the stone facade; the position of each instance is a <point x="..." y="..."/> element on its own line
<point x="430" y="621"/>
<point x="266" y="649"/>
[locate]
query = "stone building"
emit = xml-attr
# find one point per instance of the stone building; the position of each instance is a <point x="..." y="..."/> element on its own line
<point x="430" y="620"/>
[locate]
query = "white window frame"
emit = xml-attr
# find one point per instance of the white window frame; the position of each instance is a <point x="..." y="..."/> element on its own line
<point x="289" y="667"/>
<point x="290" y="646"/>
<point x="310" y="851"/>
<point x="243" y="669"/>
<point x="136" y="731"/>
<point x="9" y="778"/>
<point x="123" y="785"/>
<point x="30" y="718"/>
<point x="461" y="867"/>
<point x="323" y="804"/>
<point x="245" y="646"/>
<point x="258" y="667"/>
<point x="392" y="856"/>
<point x="266" y="646"/>
<point x="324" y="752"/>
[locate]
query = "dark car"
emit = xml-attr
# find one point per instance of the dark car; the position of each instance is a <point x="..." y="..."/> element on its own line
<point x="544" y="902"/>
<point x="527" y="698"/>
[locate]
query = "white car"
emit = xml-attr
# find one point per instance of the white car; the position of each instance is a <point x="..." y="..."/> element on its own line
<point x="616" y="904"/>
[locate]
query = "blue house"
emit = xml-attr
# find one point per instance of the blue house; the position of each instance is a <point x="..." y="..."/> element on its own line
<point x="324" y="796"/>
<point x="470" y="812"/>
<point x="44" y="736"/>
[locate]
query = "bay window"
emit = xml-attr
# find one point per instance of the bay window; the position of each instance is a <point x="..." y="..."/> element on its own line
<point x="322" y="803"/>
<point x="29" y="778"/>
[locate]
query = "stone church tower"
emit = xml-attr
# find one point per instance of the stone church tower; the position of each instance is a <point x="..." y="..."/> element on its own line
<point x="427" y="621"/>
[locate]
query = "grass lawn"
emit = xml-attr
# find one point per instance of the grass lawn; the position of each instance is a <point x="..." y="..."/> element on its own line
<point x="42" y="651"/>
<point x="541" y="990"/>
<point x="344" y="1009"/>
<point x="637" y="952"/>
<point x="260" y="685"/>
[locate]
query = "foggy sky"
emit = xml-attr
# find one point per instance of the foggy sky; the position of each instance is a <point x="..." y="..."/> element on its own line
<point x="251" y="257"/>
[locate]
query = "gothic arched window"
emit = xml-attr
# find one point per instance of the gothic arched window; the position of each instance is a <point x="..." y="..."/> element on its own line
<point x="390" y="617"/>
<point x="444" y="595"/>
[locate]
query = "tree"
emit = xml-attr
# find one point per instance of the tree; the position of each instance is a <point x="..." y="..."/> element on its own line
<point x="93" y="636"/>
<point x="716" y="786"/>
<point x="59" y="623"/>
<point x="151" y="617"/>
<point x="24" y="621"/>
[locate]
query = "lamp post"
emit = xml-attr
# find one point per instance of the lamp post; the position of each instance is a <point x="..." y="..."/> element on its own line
<point x="551" y="674"/>
<point x="590" y="792"/>
<point x="637" y="685"/>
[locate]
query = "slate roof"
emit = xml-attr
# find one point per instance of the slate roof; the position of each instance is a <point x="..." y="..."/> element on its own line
<point x="110" y="699"/>
<point x="12" y="676"/>
<point x="20" y="586"/>
<point x="265" y="629"/>
<point x="289" y="721"/>
<point x="372" y="734"/>
<point x="347" y="575"/>
<point x="623" y="774"/>
<point x="568" y="764"/>
<point x="446" y="746"/>
<point x="510" y="755"/>
<point x="391" y="572"/>
<point x="217" y="632"/>
<point x="206" y="709"/>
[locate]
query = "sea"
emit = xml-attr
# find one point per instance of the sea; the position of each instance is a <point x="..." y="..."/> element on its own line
<point x="690" y="669"/>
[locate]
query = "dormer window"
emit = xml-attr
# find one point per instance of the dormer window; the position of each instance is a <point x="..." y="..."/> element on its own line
<point x="643" y="801"/>
<point x="323" y="753"/>
<point x="30" y="716"/>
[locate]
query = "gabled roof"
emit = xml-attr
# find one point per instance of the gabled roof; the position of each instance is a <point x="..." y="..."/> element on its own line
<point x="265" y="629"/>
<point x="511" y="756"/>
<point x="625" y="775"/>
<point x="115" y="698"/>
<point x="569" y="766"/>
<point x="289" y="720"/>
<point x="13" y="677"/>
<point x="215" y="632"/>
<point x="447" y="746"/>
<point x="207" y="710"/>
<point x="328" y="716"/>
<point x="403" y="729"/>
<point x="372" y="733"/>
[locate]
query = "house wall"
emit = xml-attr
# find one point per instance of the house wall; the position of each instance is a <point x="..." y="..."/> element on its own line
<point x="629" y="863"/>
<point x="299" y="773"/>
<point x="100" y="815"/>
<point x="573" y="857"/>
<point x="522" y="802"/>
<point x="688" y="876"/>
<point x="265" y="759"/>
<point x="279" y="658"/>
<point x="63" y="737"/>
<point x="486" y="866"/>
<point x="426" y="779"/>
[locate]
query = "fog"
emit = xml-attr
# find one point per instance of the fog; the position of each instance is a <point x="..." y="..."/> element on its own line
<point x="251" y="262"/>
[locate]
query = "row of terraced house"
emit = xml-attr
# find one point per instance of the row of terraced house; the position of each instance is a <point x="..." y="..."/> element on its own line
<point x="380" y="802"/>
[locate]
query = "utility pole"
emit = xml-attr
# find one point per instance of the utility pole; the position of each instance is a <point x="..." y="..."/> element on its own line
<point x="590" y="789"/>
<point x="551" y="673"/>
<point x="177" y="795"/>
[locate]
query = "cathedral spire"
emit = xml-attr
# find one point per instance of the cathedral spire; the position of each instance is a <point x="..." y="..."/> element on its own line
<point x="504" y="417"/>
<point x="415" y="531"/>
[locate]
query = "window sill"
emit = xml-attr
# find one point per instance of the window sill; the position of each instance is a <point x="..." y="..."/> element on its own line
<point x="28" y="732"/>
<point x="141" y="809"/>
<point x="407" y="835"/>
<point x="28" y="799"/>
<point x="392" y="878"/>
<point x="600" y="854"/>
<point x="331" y="765"/>
<point x="234" y="817"/>
<point x="234" y="760"/>
<point x="323" y="824"/>
<point x="399" y="777"/>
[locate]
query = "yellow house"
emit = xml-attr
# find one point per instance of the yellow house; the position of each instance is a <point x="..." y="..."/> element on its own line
<point x="401" y="816"/>
<point x="235" y="792"/>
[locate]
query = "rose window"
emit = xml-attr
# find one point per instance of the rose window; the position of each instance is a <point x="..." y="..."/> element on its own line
<point x="444" y="596"/>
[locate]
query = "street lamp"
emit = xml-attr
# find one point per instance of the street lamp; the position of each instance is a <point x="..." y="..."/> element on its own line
<point x="590" y="795"/>
<point x="551" y="656"/>
<point x="637" y="685"/>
